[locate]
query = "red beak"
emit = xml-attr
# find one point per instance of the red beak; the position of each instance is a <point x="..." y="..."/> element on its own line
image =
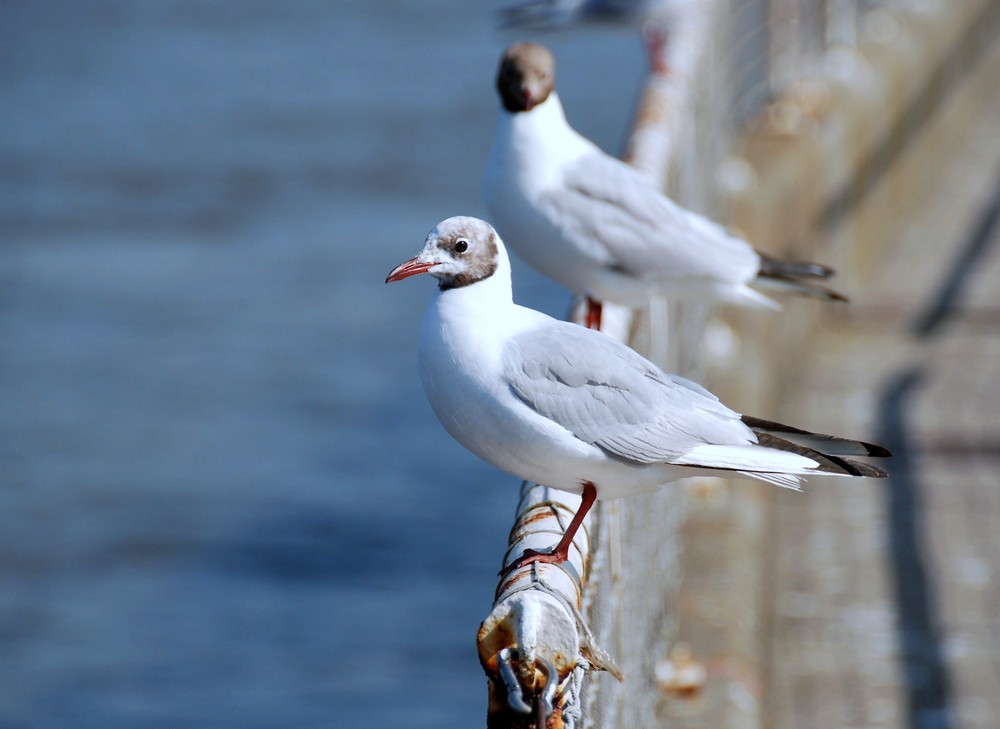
<point x="410" y="268"/>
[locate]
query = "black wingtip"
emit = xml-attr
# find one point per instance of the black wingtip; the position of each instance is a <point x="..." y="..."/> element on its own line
<point x="827" y="450"/>
<point x="778" y="268"/>
<point x="836" y="296"/>
<point x="877" y="451"/>
<point x="856" y="468"/>
<point x="826" y="463"/>
<point x="799" y="277"/>
<point x="829" y="444"/>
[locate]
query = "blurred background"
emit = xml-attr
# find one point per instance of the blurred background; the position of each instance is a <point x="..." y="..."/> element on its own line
<point x="224" y="499"/>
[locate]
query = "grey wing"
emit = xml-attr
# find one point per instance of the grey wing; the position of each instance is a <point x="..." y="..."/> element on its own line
<point x="614" y="213"/>
<point x="609" y="396"/>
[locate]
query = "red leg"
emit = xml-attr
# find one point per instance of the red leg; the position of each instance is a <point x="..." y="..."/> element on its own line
<point x="561" y="551"/>
<point x="655" y="36"/>
<point x="594" y="309"/>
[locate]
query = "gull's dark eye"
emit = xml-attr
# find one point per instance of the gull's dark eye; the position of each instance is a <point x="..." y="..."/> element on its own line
<point x="461" y="245"/>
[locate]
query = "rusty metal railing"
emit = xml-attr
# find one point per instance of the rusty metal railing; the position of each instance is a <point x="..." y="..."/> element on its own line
<point x="537" y="646"/>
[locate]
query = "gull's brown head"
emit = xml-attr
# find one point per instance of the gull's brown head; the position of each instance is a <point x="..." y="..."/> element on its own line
<point x="459" y="251"/>
<point x="526" y="77"/>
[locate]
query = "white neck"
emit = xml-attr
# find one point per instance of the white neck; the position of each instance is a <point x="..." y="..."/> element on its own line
<point x="467" y="327"/>
<point x="537" y="143"/>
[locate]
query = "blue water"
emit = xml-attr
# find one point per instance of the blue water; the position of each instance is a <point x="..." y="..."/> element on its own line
<point x="224" y="501"/>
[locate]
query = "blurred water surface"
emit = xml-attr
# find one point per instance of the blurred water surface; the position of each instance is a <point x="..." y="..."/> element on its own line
<point x="224" y="501"/>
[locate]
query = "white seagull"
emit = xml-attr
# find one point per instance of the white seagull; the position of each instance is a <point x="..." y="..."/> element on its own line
<point x="569" y="407"/>
<point x="597" y="225"/>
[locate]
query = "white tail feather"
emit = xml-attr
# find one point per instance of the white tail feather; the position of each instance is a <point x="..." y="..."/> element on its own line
<point x="750" y="458"/>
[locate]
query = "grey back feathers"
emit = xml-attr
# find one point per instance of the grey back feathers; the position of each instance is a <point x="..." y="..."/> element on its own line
<point x="609" y="396"/>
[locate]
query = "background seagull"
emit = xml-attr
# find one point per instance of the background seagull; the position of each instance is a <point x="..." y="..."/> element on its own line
<point x="565" y="406"/>
<point x="596" y="224"/>
<point x="557" y="13"/>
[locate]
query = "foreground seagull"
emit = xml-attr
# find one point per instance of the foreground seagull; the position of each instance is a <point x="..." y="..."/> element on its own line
<point x="565" y="406"/>
<point x="596" y="224"/>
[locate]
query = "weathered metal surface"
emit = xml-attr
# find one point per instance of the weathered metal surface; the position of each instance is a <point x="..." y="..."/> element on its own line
<point x="805" y="577"/>
<point x="841" y="638"/>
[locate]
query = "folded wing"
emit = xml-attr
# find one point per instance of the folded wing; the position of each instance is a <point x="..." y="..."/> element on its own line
<point x="621" y="220"/>
<point x="609" y="396"/>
